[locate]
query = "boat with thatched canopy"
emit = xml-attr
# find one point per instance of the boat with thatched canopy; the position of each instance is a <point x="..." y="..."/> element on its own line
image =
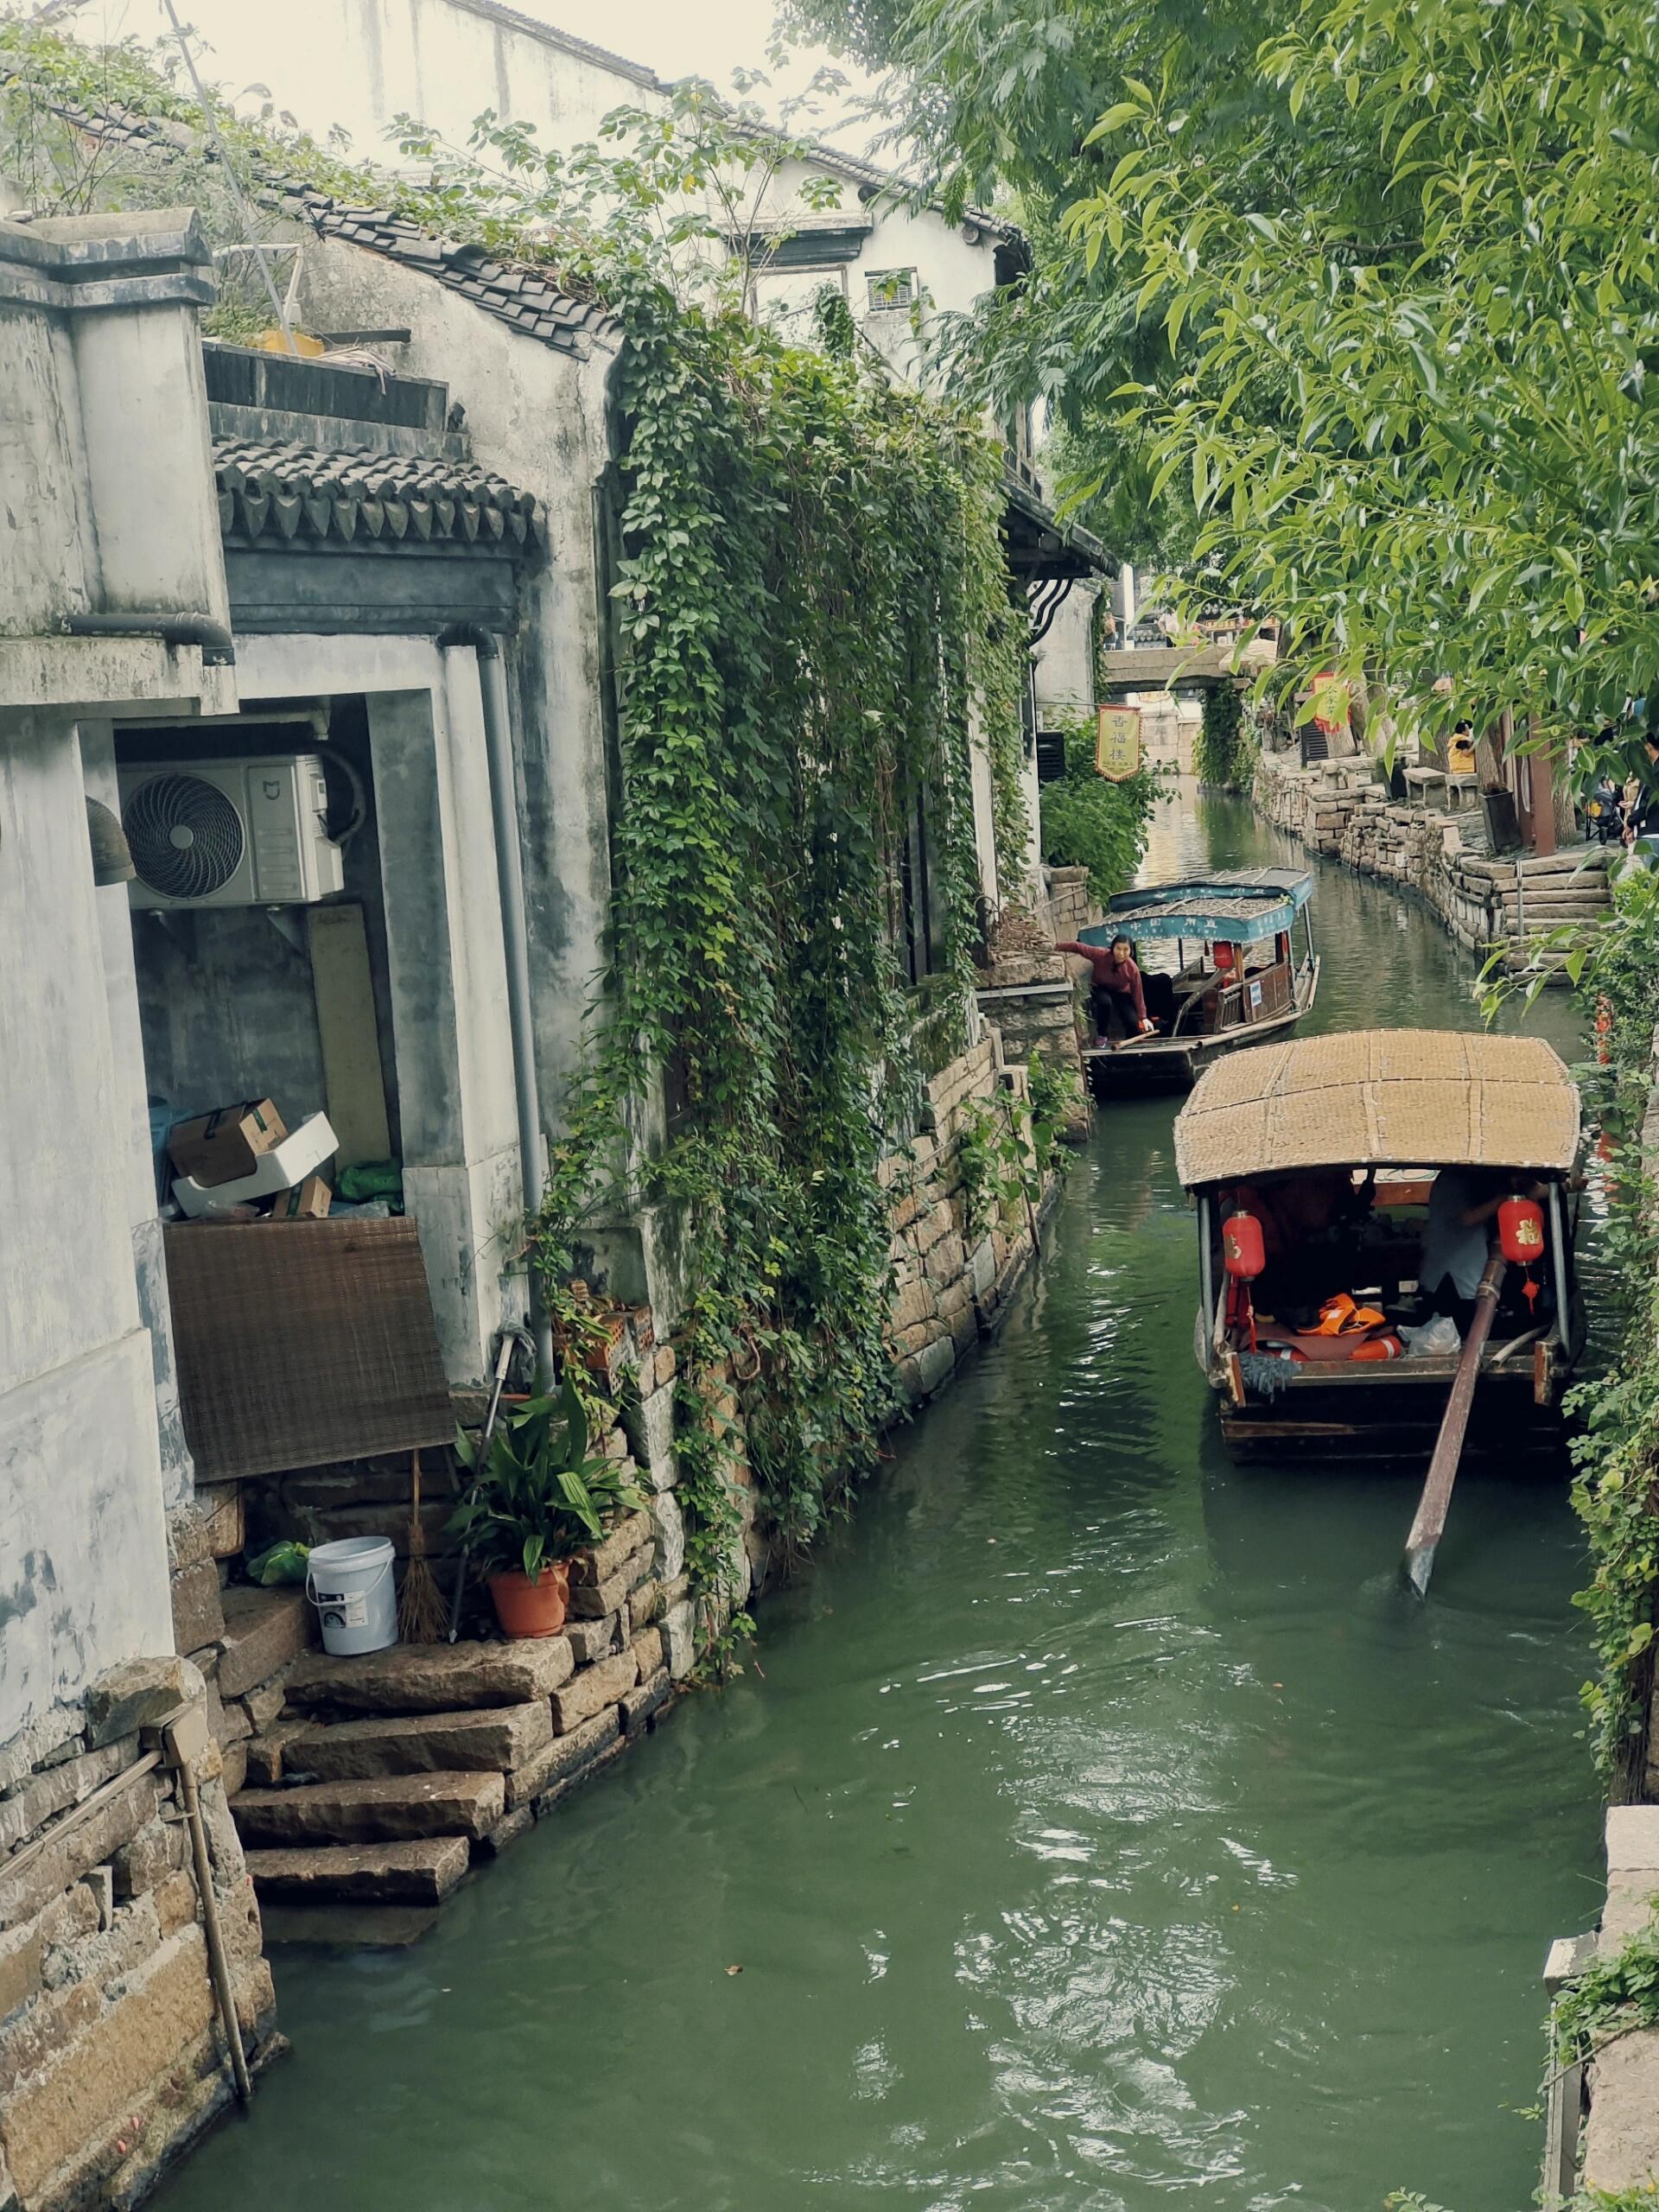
<point x="1313" y="1163"/>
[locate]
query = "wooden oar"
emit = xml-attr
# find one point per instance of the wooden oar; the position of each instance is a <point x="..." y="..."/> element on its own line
<point x="1430" y="1524"/>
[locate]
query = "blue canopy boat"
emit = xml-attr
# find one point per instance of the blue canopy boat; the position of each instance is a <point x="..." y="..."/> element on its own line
<point x="1220" y="965"/>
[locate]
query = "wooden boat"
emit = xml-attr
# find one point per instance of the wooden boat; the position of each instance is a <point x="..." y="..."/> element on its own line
<point x="1340" y="1139"/>
<point x="1219" y="966"/>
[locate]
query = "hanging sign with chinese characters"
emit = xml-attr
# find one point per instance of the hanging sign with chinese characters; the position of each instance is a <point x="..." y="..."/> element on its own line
<point x="1117" y="742"/>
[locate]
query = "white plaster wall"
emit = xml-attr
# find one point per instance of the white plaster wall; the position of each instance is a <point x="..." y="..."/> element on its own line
<point x="445" y="62"/>
<point x="538" y="417"/>
<point x="46" y="536"/>
<point x="1065" y="672"/>
<point x="358" y="64"/>
<point x="130" y="1138"/>
<point x="143" y="412"/>
<point x="83" y="1558"/>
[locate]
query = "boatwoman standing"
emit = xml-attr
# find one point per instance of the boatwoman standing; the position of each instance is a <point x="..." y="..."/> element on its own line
<point x="1119" y="1001"/>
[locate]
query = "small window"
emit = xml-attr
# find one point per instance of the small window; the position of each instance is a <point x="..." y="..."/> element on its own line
<point x="890" y="289"/>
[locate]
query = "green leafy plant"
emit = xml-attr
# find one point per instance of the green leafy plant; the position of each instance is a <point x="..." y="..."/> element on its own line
<point x="996" y="1164"/>
<point x="540" y="1494"/>
<point x="1089" y="822"/>
<point x="1056" y="1095"/>
<point x="1228" y="748"/>
<point x="1613" y="1997"/>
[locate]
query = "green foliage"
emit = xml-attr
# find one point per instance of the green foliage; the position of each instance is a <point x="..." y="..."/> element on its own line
<point x="1056" y="1095"/>
<point x="1089" y="822"/>
<point x="1616" y="1489"/>
<point x="998" y="1165"/>
<point x="810" y="621"/>
<point x="1409" y="397"/>
<point x="1613" y="1997"/>
<point x="1228" y="747"/>
<point x="539" y="1495"/>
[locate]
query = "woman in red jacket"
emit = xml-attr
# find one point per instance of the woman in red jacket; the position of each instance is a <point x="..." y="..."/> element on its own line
<point x="1120" y="1003"/>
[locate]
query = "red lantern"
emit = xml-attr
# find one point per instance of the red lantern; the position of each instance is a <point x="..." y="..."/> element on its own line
<point x="1520" y="1239"/>
<point x="1242" y="1252"/>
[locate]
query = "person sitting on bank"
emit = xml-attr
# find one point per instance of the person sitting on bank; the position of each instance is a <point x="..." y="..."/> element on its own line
<point x="1119" y="1001"/>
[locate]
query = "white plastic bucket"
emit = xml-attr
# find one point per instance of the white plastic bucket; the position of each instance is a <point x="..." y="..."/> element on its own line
<point x="350" y="1584"/>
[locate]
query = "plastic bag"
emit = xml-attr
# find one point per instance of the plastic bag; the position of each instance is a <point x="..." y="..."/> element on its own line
<point x="284" y="1562"/>
<point x="1435" y="1338"/>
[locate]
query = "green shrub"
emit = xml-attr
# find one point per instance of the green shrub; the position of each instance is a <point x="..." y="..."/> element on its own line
<point x="1089" y="822"/>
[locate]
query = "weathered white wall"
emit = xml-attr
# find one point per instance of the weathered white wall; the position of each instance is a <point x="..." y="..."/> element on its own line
<point x="538" y="417"/>
<point x="83" y="1559"/>
<point x="46" y="528"/>
<point x="83" y="1553"/>
<point x="1065" y="667"/>
<point x="358" y="64"/>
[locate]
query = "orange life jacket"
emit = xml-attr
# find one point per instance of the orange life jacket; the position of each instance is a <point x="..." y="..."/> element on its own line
<point x="1340" y="1317"/>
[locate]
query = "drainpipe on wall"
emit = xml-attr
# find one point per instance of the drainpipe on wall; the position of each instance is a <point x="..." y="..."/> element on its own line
<point x="510" y="885"/>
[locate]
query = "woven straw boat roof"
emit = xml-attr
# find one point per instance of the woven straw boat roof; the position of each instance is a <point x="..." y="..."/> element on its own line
<point x="1383" y="1098"/>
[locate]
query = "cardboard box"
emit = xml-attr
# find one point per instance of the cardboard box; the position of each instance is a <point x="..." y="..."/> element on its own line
<point x="286" y="1164"/>
<point x="307" y="1201"/>
<point x="223" y="1146"/>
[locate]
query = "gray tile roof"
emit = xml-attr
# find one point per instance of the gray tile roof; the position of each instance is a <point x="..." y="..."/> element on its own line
<point x="516" y="293"/>
<point x="522" y="295"/>
<point x="283" y="491"/>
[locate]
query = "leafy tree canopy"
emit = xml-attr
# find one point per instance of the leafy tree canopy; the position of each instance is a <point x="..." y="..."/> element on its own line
<point x="1370" y="285"/>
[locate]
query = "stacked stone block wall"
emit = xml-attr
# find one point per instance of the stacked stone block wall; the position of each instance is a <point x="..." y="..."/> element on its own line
<point x="111" y="2060"/>
<point x="1339" y="809"/>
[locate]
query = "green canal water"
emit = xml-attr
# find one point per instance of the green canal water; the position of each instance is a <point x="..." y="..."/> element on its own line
<point x="1098" y="1826"/>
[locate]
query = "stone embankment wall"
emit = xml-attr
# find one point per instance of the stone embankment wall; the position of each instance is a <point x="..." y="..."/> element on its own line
<point x="1030" y="991"/>
<point x="1338" y="808"/>
<point x="110" y="2057"/>
<point x="1618" y="2141"/>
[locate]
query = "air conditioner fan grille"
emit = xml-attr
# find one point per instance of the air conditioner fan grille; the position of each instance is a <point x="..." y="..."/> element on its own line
<point x="187" y="837"/>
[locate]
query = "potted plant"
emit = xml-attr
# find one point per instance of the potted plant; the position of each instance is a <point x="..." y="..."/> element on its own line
<point x="538" y="1496"/>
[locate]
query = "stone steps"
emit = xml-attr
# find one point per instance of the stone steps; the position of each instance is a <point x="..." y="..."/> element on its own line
<point x="420" y="1872"/>
<point x="488" y="1739"/>
<point x="431" y="1678"/>
<point x="378" y="1808"/>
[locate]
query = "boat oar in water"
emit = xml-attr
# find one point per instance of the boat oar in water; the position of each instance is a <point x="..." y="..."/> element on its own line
<point x="1430" y="1524"/>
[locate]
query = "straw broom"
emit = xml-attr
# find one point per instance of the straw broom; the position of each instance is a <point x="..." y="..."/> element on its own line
<point x="421" y="1612"/>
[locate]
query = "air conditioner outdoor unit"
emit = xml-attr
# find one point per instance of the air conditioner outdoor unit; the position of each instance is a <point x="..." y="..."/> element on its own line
<point x="230" y="833"/>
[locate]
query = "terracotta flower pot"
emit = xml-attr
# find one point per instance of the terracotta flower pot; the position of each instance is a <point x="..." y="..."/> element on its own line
<point x="525" y="1608"/>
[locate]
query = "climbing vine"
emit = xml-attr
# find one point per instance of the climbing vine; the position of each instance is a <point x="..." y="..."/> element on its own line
<point x="1228" y="747"/>
<point x="1615" y="969"/>
<point x="812" y="631"/>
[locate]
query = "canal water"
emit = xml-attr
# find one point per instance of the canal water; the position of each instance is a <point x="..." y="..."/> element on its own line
<point x="1096" y="1826"/>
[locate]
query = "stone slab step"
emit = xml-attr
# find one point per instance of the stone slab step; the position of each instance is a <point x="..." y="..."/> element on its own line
<point x="263" y="1629"/>
<point x="381" y="1809"/>
<point x="381" y="1873"/>
<point x="489" y="1739"/>
<point x="348" y="1927"/>
<point x="432" y="1677"/>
